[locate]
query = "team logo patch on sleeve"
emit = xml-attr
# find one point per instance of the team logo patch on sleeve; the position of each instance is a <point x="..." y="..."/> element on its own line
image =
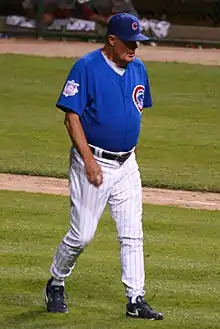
<point x="138" y="97"/>
<point x="71" y="88"/>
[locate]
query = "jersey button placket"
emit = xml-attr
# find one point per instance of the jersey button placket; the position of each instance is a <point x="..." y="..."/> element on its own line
<point x="124" y="94"/>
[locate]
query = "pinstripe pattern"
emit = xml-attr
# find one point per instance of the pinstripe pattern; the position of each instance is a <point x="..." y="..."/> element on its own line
<point x="121" y="190"/>
<point x="126" y="208"/>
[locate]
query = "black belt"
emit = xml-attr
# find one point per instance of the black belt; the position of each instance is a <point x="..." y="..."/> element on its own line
<point x="111" y="156"/>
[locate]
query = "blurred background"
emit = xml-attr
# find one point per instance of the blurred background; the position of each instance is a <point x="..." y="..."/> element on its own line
<point x="165" y="21"/>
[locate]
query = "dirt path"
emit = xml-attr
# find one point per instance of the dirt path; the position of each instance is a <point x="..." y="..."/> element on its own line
<point x="77" y="49"/>
<point x="199" y="200"/>
<point x="209" y="201"/>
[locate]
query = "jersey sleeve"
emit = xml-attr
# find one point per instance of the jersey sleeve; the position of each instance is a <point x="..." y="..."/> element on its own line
<point x="73" y="97"/>
<point x="147" y="92"/>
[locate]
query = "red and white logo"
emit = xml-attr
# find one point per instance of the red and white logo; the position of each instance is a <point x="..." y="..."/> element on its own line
<point x="134" y="26"/>
<point x="71" y="88"/>
<point x="138" y="97"/>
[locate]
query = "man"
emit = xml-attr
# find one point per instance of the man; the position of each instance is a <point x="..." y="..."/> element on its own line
<point x="31" y="8"/>
<point x="103" y="99"/>
<point x="62" y="8"/>
<point x="94" y="10"/>
<point x="100" y="10"/>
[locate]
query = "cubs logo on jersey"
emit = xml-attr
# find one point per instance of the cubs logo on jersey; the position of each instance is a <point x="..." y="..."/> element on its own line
<point x="138" y="97"/>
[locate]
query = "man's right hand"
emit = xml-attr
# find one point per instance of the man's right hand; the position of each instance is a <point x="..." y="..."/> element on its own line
<point x="93" y="172"/>
<point x="78" y="138"/>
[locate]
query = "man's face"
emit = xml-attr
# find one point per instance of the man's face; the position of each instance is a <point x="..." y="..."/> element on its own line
<point x="124" y="51"/>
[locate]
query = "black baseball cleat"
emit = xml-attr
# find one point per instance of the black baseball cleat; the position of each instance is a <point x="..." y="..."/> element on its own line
<point x="54" y="298"/>
<point x="141" y="309"/>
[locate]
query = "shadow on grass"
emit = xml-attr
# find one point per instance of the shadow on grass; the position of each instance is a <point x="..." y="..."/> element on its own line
<point x="40" y="319"/>
<point x="37" y="318"/>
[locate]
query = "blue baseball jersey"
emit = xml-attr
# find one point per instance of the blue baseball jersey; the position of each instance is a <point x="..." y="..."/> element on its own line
<point x="109" y="105"/>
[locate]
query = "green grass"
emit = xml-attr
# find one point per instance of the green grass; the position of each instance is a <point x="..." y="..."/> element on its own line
<point x="180" y="139"/>
<point x="182" y="265"/>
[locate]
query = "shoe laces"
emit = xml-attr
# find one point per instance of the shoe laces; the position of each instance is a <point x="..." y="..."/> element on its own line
<point x="59" y="294"/>
<point x="142" y="303"/>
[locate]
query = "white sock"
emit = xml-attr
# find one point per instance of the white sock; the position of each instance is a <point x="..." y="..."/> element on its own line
<point x="136" y="299"/>
<point x="56" y="282"/>
<point x="133" y="300"/>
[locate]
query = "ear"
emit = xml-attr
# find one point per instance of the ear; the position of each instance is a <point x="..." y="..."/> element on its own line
<point x="111" y="40"/>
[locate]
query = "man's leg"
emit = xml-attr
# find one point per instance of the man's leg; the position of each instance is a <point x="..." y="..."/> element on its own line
<point x="126" y="208"/>
<point x="87" y="205"/>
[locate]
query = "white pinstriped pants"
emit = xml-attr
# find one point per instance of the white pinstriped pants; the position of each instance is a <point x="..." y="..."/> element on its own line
<point x="121" y="190"/>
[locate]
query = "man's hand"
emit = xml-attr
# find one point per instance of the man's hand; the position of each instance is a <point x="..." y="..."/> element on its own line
<point x="93" y="172"/>
<point x="78" y="138"/>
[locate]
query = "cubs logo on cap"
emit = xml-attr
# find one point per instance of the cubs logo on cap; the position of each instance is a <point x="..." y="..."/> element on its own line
<point x="134" y="26"/>
<point x="138" y="97"/>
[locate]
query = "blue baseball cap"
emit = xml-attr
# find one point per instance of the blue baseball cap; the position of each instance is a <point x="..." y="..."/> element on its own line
<point x="126" y="27"/>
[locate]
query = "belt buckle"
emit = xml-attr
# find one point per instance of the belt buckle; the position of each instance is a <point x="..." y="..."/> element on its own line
<point x="123" y="157"/>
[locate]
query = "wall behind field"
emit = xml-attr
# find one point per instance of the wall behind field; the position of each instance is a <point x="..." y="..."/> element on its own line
<point x="195" y="12"/>
<point x="180" y="22"/>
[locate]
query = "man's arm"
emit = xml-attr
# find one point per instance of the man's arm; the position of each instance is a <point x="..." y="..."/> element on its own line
<point x="89" y="14"/>
<point x="72" y="101"/>
<point x="78" y="138"/>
